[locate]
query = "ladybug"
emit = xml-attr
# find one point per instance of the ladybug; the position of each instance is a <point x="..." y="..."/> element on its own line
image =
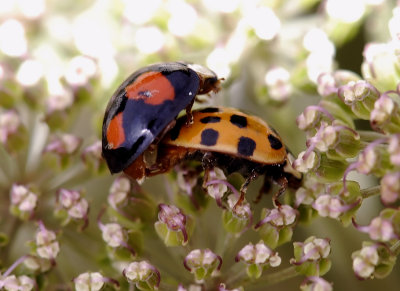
<point x="146" y="105"/>
<point x="228" y="139"/>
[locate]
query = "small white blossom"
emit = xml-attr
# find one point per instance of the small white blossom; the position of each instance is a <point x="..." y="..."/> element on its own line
<point x="328" y="206"/>
<point x="113" y="234"/>
<point x="317" y="249"/>
<point x="23" y="198"/>
<point x="47" y="246"/>
<point x="89" y="282"/>
<point x="365" y="261"/>
<point x="304" y="163"/>
<point x="9" y="124"/>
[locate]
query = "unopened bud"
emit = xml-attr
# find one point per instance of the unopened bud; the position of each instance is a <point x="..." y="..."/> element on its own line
<point x="144" y="275"/>
<point x="202" y="263"/>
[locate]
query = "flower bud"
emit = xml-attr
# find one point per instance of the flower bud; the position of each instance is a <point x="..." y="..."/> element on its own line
<point x="23" y="201"/>
<point x="374" y="159"/>
<point x="278" y="84"/>
<point x="311" y="257"/>
<point x="318" y="165"/>
<point x="47" y="246"/>
<point x="380" y="65"/>
<point x="329" y="83"/>
<point x="215" y="190"/>
<point x="339" y="141"/>
<point x="71" y="205"/>
<point x="360" y="96"/>
<point x="91" y="156"/>
<point x="312" y="117"/>
<point x="192" y="287"/>
<point x="144" y="275"/>
<point x="21" y="283"/>
<point x="114" y="235"/>
<point x="187" y="179"/>
<point x="326" y="205"/>
<point x="373" y="261"/>
<point x="89" y="281"/>
<point x="222" y="287"/>
<point x="11" y="130"/>
<point x="314" y="283"/>
<point x="306" y="161"/>
<point x="60" y="101"/>
<point x="236" y="219"/>
<point x="381" y="229"/>
<point x="79" y="70"/>
<point x="65" y="144"/>
<point x="257" y="257"/>
<point x="37" y="264"/>
<point x="394" y="149"/>
<point x="276" y="225"/>
<point x="202" y="264"/>
<point x="385" y="116"/>
<point x="365" y="261"/>
<point x="390" y="188"/>
<point x="173" y="227"/>
<point x="384" y="227"/>
<point x="119" y="192"/>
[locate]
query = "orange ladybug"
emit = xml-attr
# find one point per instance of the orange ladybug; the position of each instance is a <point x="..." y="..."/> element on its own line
<point x="228" y="139"/>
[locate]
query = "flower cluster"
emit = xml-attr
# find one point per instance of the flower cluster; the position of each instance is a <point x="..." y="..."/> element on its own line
<point x="355" y="127"/>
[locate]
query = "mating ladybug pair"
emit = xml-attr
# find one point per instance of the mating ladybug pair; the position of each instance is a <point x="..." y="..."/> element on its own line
<point x="142" y="137"/>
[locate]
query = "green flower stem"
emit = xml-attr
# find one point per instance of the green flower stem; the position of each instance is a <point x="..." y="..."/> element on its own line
<point x="225" y="242"/>
<point x="237" y="278"/>
<point x="371" y="191"/>
<point x="169" y="261"/>
<point x="37" y="142"/>
<point x="7" y="164"/>
<point x="277" y="277"/>
<point x="264" y="280"/>
<point x="396" y="248"/>
<point x="369" y="136"/>
<point x="78" y="171"/>
<point x="14" y="225"/>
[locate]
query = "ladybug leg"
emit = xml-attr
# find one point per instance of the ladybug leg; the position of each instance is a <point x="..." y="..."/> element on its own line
<point x="189" y="115"/>
<point x="245" y="185"/>
<point x="208" y="163"/>
<point x="283" y="183"/>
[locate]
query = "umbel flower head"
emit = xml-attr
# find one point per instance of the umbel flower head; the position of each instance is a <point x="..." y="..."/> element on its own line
<point x="185" y="229"/>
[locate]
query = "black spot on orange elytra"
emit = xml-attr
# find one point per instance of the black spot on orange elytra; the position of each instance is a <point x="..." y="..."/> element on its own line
<point x="274" y="142"/>
<point x="210" y="119"/>
<point x="209" y="137"/>
<point x="246" y="146"/>
<point x="209" y="110"/>
<point x="238" y="120"/>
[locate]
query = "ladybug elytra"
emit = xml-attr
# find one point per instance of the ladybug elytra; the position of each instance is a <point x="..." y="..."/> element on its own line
<point x="145" y="106"/>
<point x="228" y="139"/>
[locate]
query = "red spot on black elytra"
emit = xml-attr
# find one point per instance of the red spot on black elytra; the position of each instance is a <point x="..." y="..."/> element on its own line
<point x="274" y="142"/>
<point x="209" y="137"/>
<point x="246" y="146"/>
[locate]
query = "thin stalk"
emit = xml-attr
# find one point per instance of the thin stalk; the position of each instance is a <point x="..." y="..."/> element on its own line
<point x="369" y="136"/>
<point x="371" y="191"/>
